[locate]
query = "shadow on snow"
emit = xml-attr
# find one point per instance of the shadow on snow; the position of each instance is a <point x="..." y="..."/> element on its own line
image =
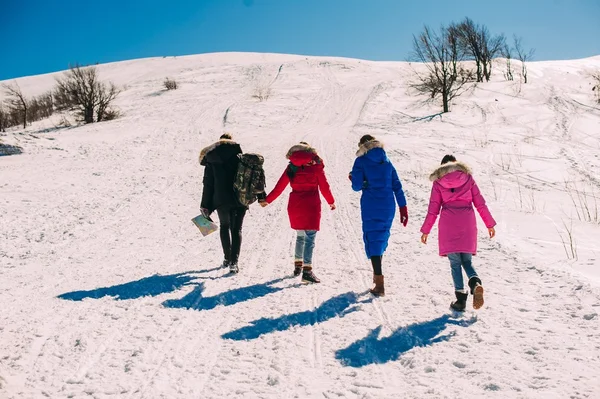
<point x="338" y="306"/>
<point x="373" y="350"/>
<point x="196" y="301"/>
<point x="149" y="286"/>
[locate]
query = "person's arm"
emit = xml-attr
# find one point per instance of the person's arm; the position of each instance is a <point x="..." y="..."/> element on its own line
<point x="400" y="198"/>
<point x="279" y="187"/>
<point x="435" y="203"/>
<point x="208" y="190"/>
<point x="483" y="210"/>
<point x="325" y="188"/>
<point x="357" y="175"/>
<point x="397" y="187"/>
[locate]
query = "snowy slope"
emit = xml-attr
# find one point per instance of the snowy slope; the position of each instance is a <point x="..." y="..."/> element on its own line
<point x="107" y="289"/>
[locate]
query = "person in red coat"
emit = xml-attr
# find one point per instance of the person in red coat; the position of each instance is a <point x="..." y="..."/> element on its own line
<point x="306" y="175"/>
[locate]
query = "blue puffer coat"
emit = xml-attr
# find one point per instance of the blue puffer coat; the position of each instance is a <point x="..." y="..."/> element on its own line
<point x="374" y="174"/>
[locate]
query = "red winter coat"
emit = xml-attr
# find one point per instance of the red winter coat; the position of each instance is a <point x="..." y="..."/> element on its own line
<point x="306" y="175"/>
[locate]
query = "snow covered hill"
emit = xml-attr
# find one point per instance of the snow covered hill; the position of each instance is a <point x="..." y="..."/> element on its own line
<point x="107" y="290"/>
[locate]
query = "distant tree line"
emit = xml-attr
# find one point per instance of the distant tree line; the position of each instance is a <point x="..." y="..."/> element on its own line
<point x="445" y="54"/>
<point x="79" y="91"/>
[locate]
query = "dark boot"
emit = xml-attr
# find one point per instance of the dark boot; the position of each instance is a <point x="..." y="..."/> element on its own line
<point x="476" y="291"/>
<point x="297" y="267"/>
<point x="308" y="276"/>
<point x="461" y="301"/>
<point x="233" y="268"/>
<point x="378" y="290"/>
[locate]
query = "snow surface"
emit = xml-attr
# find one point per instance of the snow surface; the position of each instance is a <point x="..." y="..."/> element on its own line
<point x="108" y="290"/>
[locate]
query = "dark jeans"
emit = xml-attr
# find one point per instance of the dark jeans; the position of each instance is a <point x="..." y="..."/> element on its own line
<point x="230" y="220"/>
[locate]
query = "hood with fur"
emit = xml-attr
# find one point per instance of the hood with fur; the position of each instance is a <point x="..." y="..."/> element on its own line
<point x="452" y="175"/>
<point x="302" y="154"/>
<point x="369" y="145"/>
<point x="447" y="168"/>
<point x="227" y="144"/>
<point x="300" y="147"/>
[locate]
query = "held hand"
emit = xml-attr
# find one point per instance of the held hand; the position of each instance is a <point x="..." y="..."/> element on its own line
<point x="350" y="176"/>
<point x="205" y="212"/>
<point x="332" y="206"/>
<point x="404" y="215"/>
<point x="424" y="238"/>
<point x="492" y="232"/>
<point x="263" y="203"/>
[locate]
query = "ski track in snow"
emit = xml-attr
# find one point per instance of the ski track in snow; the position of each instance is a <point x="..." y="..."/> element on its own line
<point x="106" y="208"/>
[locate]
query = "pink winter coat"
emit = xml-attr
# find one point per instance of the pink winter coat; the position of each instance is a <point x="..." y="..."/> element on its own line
<point x="455" y="192"/>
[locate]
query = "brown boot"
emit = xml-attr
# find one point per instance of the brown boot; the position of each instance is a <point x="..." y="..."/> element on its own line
<point x="378" y="290"/>
<point x="297" y="267"/>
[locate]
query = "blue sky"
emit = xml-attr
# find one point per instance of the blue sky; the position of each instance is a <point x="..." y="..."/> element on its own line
<point x="42" y="36"/>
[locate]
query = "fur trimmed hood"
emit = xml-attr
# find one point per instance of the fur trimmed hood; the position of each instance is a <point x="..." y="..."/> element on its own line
<point x="300" y="147"/>
<point x="303" y="154"/>
<point x="369" y="145"/>
<point x="447" y="168"/>
<point x="211" y="147"/>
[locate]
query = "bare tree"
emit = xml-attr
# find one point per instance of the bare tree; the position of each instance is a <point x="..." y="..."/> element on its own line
<point x="17" y="102"/>
<point x="507" y="53"/>
<point x="480" y="45"/>
<point x="81" y="90"/>
<point x="105" y="97"/>
<point x="3" y="119"/>
<point x="523" y="56"/>
<point x="441" y="55"/>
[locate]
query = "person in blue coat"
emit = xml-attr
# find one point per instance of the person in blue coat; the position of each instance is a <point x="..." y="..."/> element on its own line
<point x="376" y="177"/>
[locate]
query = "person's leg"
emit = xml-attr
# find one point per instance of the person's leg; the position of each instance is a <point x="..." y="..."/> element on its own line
<point x="224" y="230"/>
<point x="467" y="264"/>
<point x="309" y="244"/>
<point x="456" y="268"/>
<point x="379" y="289"/>
<point x="237" y="220"/>
<point x="461" y="296"/>
<point x="376" y="263"/>
<point x="299" y="251"/>
<point x="475" y="284"/>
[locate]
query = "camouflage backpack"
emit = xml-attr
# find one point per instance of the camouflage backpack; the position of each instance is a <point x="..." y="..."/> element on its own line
<point x="249" y="178"/>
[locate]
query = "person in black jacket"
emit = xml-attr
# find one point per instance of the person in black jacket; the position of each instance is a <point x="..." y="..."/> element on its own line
<point x="221" y="160"/>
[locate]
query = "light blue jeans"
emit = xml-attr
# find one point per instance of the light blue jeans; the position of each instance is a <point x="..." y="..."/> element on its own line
<point x="458" y="262"/>
<point x="305" y="243"/>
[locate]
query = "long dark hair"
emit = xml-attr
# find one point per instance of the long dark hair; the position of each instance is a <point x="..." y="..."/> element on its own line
<point x="448" y="158"/>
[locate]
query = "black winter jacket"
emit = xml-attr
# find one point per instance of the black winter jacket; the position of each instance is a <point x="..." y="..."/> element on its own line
<point x="221" y="162"/>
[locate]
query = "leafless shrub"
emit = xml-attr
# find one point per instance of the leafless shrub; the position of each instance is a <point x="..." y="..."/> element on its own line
<point x="80" y="90"/>
<point x="170" y="84"/>
<point x="585" y="201"/>
<point x="3" y="119"/>
<point x="596" y="87"/>
<point x="569" y="243"/>
<point x="40" y="107"/>
<point x="261" y="92"/>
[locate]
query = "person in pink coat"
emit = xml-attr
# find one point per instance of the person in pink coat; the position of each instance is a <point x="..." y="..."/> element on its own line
<point x="455" y="193"/>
